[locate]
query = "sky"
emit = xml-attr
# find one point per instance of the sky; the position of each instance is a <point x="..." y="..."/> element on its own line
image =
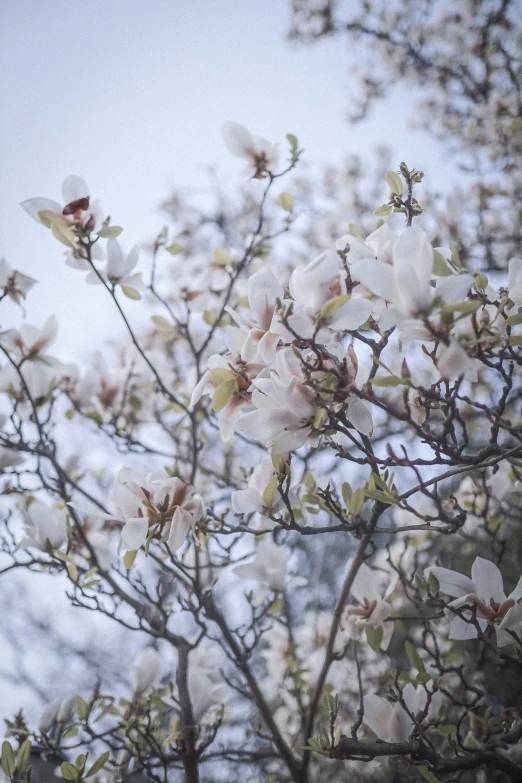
<point x="131" y="96"/>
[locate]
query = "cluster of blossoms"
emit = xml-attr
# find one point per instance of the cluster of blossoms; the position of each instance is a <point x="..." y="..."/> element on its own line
<point x="369" y="399"/>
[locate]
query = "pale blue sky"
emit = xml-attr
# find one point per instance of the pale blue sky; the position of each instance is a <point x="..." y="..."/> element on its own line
<point x="131" y="96"/>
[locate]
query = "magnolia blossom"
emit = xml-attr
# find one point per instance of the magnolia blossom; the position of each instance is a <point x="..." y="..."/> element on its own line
<point x="392" y="722"/>
<point x="485" y="592"/>
<point x="76" y="210"/>
<point x="453" y="361"/>
<point x="269" y="568"/>
<point x="374" y="610"/>
<point x="205" y="681"/>
<point x="515" y="280"/>
<point x="254" y="497"/>
<point x="46" y="527"/>
<point x="263" y="329"/>
<point x="228" y="379"/>
<point x="285" y="407"/>
<point x="262" y="155"/>
<point x="118" y="269"/>
<point x="15" y="284"/>
<point x="59" y="711"/>
<point x="321" y="302"/>
<point x="146" y="671"/>
<point x="37" y="371"/>
<point x="147" y="500"/>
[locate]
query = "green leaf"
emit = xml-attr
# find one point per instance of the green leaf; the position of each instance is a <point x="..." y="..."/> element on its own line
<point x="357" y="231"/>
<point x="110" y="232"/>
<point x="427" y="775"/>
<point x="23" y="755"/>
<point x="129" y="558"/>
<point x="462" y="307"/>
<point x="220" y="375"/>
<point x="320" y="418"/>
<point x="515" y="340"/>
<point x="356" y="502"/>
<point x="388" y="380"/>
<point x="333" y="304"/>
<point x="394" y="182"/>
<point x="8" y="759"/>
<point x="223" y="394"/>
<point x="445" y="731"/>
<point x="81" y="708"/>
<point x="433" y="583"/>
<point x="175" y="249"/>
<point x="422" y="678"/>
<point x="374" y="637"/>
<point x="381" y="497"/>
<point x="98" y="764"/>
<point x="293" y="141"/>
<point x="413" y="656"/>
<point x="286" y="202"/>
<point x="440" y="265"/>
<point x="64" y="234"/>
<point x="347" y="493"/>
<point x="382" y="211"/>
<point x="514" y="320"/>
<point x="269" y="495"/>
<point x="69" y="771"/>
<point x="130" y="292"/>
<point x="221" y="257"/>
<point x="161" y="322"/>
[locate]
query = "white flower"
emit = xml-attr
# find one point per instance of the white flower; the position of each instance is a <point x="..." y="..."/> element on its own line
<point x="391" y="722"/>
<point x="253" y="497"/>
<point x="118" y="269"/>
<point x="205" y="682"/>
<point x="15" y="284"/>
<point x="146" y="671"/>
<point x="145" y="500"/>
<point x="45" y="527"/>
<point x="59" y="711"/>
<point x="285" y="407"/>
<point x="515" y="280"/>
<point x="262" y="330"/>
<point x="484" y="591"/>
<point x="453" y="361"/>
<point x="319" y="291"/>
<point x="77" y="208"/>
<point x="374" y="610"/>
<point x="269" y="567"/>
<point x="262" y="155"/>
<point x="29" y="340"/>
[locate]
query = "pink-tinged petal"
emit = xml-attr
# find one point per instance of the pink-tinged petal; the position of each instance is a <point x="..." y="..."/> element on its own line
<point x="453" y="361"/>
<point x="375" y="275"/>
<point x="512" y="618"/>
<point x="249" y="349"/>
<point x="74" y="188"/>
<point x="181" y="525"/>
<point x="451" y="582"/>
<point x="365" y="585"/>
<point x="381" y="613"/>
<point x="263" y="425"/>
<point x="378" y="716"/>
<point x="351" y="315"/>
<point x="263" y="291"/>
<point x="359" y="415"/>
<point x="134" y="533"/>
<point x="516" y="594"/>
<point x="246" y="500"/>
<point x="267" y="347"/>
<point x="35" y="205"/>
<point x="488" y="580"/>
<point x="228" y="417"/>
<point x="237" y="139"/>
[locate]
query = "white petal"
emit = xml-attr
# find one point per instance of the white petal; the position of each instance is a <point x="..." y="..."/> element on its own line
<point x="134" y="533"/>
<point x="74" y="188"/>
<point x="181" y="525"/>
<point x="451" y="582"/>
<point x="378" y="716"/>
<point x="35" y="205"/>
<point x="488" y="580"/>
<point x="237" y="139"/>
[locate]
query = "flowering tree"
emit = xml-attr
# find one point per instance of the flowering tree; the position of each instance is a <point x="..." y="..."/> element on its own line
<point x="297" y="485"/>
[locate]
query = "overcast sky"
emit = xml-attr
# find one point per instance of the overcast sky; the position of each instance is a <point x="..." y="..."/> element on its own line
<point x="131" y="95"/>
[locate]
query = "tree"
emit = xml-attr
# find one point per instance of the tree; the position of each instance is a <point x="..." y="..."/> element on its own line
<point x="306" y="500"/>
